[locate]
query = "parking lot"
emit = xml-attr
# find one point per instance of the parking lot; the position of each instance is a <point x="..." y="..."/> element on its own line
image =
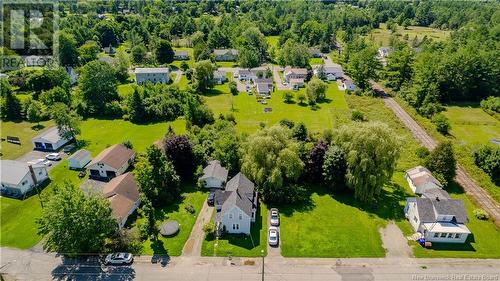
<point x="35" y="154"/>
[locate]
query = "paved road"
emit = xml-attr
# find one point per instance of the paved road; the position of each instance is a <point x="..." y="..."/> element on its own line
<point x="193" y="244"/>
<point x="26" y="265"/>
<point x="470" y="187"/>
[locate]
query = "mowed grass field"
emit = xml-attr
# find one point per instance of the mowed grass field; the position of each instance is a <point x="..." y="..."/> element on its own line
<point x="249" y="113"/>
<point x="381" y="36"/>
<point x="18" y="217"/>
<point x="172" y="246"/>
<point x="240" y="246"/>
<point x="25" y="131"/>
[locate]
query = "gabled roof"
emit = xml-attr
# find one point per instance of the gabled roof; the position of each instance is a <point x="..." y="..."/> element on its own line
<point x="239" y="193"/>
<point x="240" y="182"/>
<point x="219" y="52"/>
<point x="181" y="53"/>
<point x="80" y="155"/>
<point x="421" y="176"/>
<point x="215" y="170"/>
<point x="332" y="69"/>
<point x="122" y="193"/>
<point x="50" y="135"/>
<point x="115" y="156"/>
<point x="219" y="74"/>
<point x="13" y="172"/>
<point x="263" y="88"/>
<point x="151" y="70"/>
<point x="264" y="80"/>
<point x="430" y="208"/>
<point x="297" y="71"/>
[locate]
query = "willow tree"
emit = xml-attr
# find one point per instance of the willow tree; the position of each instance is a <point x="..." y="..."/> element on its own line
<point x="372" y="150"/>
<point x="271" y="159"/>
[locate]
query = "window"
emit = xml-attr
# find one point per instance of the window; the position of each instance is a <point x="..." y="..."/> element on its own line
<point x="443" y="235"/>
<point x="457" y="235"/>
<point x="436" y="235"/>
<point x="450" y="235"/>
<point x="415" y="218"/>
<point x="240" y="217"/>
<point x="231" y="217"/>
<point x="24" y="182"/>
<point x="233" y="226"/>
<point x="237" y="226"/>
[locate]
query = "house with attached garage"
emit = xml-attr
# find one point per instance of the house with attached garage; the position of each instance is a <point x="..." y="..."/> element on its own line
<point x="226" y="54"/>
<point x="437" y="217"/>
<point x="294" y="73"/>
<point x="111" y="162"/>
<point x="123" y="195"/>
<point x="152" y="74"/>
<point x="49" y="140"/>
<point x="236" y="206"/>
<point x="18" y="178"/>
<point x="329" y="72"/>
<point x="79" y="159"/>
<point x="420" y="180"/>
<point x="214" y="175"/>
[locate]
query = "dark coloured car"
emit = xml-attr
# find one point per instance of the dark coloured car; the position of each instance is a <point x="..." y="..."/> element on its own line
<point x="211" y="198"/>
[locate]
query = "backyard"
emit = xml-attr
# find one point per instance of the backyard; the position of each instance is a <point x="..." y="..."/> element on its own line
<point x="178" y="211"/>
<point x="25" y="131"/>
<point x="238" y="245"/>
<point x="249" y="113"/>
<point x="381" y="36"/>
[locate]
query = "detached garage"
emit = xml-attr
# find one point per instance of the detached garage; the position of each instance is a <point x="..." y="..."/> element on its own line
<point x="79" y="159"/>
<point x="49" y="140"/>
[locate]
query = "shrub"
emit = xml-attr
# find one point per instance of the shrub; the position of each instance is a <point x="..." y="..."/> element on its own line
<point x="442" y="124"/>
<point x="230" y="117"/>
<point x="287" y="123"/>
<point x="209" y="227"/>
<point x="301" y="97"/>
<point x="480" y="214"/>
<point x="488" y="159"/>
<point x="422" y="152"/>
<point x="189" y="208"/>
<point x="357" y="115"/>
<point x="491" y="105"/>
<point x="288" y="97"/>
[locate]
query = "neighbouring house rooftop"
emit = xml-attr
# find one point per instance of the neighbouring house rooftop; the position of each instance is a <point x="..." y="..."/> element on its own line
<point x="80" y="154"/>
<point x="215" y="170"/>
<point x="219" y="74"/>
<point x="220" y="52"/>
<point x="421" y="176"/>
<point x="115" y="156"/>
<point x="50" y="135"/>
<point x="14" y="171"/>
<point x="268" y="81"/>
<point x="181" y="53"/>
<point x="122" y="193"/>
<point x="332" y="68"/>
<point x="298" y="71"/>
<point x="151" y="70"/>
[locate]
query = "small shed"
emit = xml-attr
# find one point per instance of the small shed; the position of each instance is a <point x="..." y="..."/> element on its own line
<point x="79" y="159"/>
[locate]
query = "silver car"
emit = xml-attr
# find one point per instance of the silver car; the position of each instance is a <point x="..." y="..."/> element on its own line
<point x="274" y="236"/>
<point x="53" y="156"/>
<point x="275" y="217"/>
<point x="119" y="258"/>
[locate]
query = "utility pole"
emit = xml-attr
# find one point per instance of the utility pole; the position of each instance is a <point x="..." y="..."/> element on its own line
<point x="262" y="254"/>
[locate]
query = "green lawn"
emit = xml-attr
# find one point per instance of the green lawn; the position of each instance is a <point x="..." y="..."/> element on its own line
<point x="463" y="118"/>
<point x="227" y="64"/>
<point x="240" y="245"/>
<point x="249" y="113"/>
<point x="190" y="61"/>
<point x="176" y="211"/>
<point x="381" y="36"/>
<point x="18" y="216"/>
<point x="313" y="61"/>
<point x="125" y="90"/>
<point x="25" y="131"/>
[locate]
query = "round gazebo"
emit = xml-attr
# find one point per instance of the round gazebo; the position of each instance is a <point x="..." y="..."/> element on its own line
<point x="169" y="228"/>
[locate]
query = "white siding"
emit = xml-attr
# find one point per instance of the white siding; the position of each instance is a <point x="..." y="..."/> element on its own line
<point x="448" y="237"/>
<point x="27" y="182"/>
<point x="237" y="218"/>
<point x="151" y="77"/>
<point x="78" y="163"/>
<point x="102" y="168"/>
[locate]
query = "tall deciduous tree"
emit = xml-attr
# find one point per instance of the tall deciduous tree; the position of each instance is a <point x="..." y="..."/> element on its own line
<point x="157" y="177"/>
<point x="271" y="159"/>
<point x="74" y="223"/>
<point x="294" y="54"/>
<point x="179" y="151"/>
<point x="315" y="161"/>
<point x="335" y="167"/>
<point x="88" y="52"/>
<point x="363" y="66"/>
<point x="97" y="82"/>
<point x="371" y="149"/>
<point x="68" y="53"/>
<point x="203" y="75"/>
<point x="67" y="121"/>
<point x="442" y="161"/>
<point x="35" y="112"/>
<point x="316" y="90"/>
<point x="10" y="106"/>
<point x="164" y="52"/>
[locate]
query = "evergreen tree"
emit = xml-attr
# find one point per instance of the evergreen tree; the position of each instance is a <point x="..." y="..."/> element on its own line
<point x="136" y="107"/>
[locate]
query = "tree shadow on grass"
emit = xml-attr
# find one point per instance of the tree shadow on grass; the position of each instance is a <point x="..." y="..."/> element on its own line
<point x="304" y="205"/>
<point x="37" y="127"/>
<point x="213" y="93"/>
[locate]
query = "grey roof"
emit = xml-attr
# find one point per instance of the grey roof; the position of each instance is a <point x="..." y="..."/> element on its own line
<point x="240" y="193"/>
<point x="151" y="70"/>
<point x="80" y="154"/>
<point x="263" y="88"/>
<point x="421" y="176"/>
<point x="220" y="52"/>
<point x="181" y="53"/>
<point x="14" y="171"/>
<point x="219" y="74"/>
<point x="215" y="170"/>
<point x="50" y="135"/>
<point x="264" y="80"/>
<point x="429" y="209"/>
<point x="240" y="182"/>
<point x="332" y="68"/>
<point x="436" y="193"/>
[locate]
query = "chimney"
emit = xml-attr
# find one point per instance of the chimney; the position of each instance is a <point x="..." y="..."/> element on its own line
<point x="437" y="198"/>
<point x="32" y="173"/>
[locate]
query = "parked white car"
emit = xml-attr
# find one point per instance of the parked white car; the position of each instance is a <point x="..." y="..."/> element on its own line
<point x="119" y="258"/>
<point x="40" y="162"/>
<point x="53" y="156"/>
<point x="275" y="217"/>
<point x="273" y="237"/>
